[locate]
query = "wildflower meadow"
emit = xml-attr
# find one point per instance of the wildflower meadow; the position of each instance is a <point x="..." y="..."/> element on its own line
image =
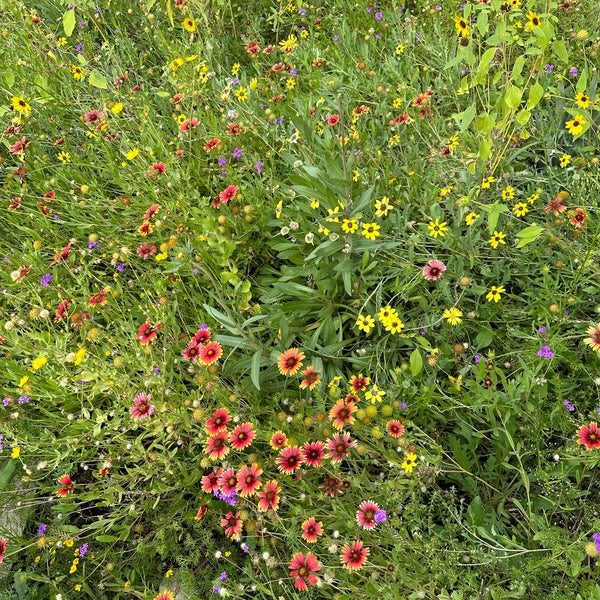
<point x="299" y="300"/>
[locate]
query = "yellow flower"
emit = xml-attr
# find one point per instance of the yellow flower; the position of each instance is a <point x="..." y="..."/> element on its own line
<point x="485" y="184"/>
<point x="495" y="292"/>
<point x="383" y="207"/>
<point x="241" y="94"/>
<point x="18" y="104"/>
<point x="575" y="126"/>
<point x="534" y="20"/>
<point x="77" y="72"/>
<point x="365" y="323"/>
<point x="160" y="257"/>
<point x="582" y="100"/>
<point x="61" y="42"/>
<point x="471" y="218"/>
<point x="169" y="573"/>
<point x="521" y="209"/>
<point x="117" y="108"/>
<point x="314" y="203"/>
<point x="399" y="49"/>
<point x="16" y="452"/>
<point x="69" y="544"/>
<point x="289" y="45"/>
<point x="176" y="63"/>
<point x="409" y="463"/>
<point x="508" y="193"/>
<point x="235" y="69"/>
<point x="253" y="83"/>
<point x="38" y="362"/>
<point x="497" y="239"/>
<point x="436" y="228"/>
<point x="79" y="356"/>
<point x="371" y="231"/>
<point x="535" y="196"/>
<point x="23" y="381"/>
<point x="374" y="394"/>
<point x="462" y="26"/>
<point x="456" y="381"/>
<point x="189" y="24"/>
<point x="565" y="159"/>
<point x="453" y="315"/>
<point x="290" y="84"/>
<point x="349" y="225"/>
<point x="78" y="587"/>
<point x="394" y="325"/>
<point x="132" y="154"/>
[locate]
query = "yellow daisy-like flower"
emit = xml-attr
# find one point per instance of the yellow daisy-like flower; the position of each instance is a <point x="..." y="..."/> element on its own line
<point x="508" y="193"/>
<point x="116" y="108"/>
<point x="387" y="314"/>
<point x="497" y="239"/>
<point x="242" y="94"/>
<point x="64" y="157"/>
<point x="365" y="323"/>
<point x="77" y="72"/>
<point x="485" y="184"/>
<point x="18" y="104"/>
<point x="349" y="226"/>
<point x="38" y="363"/>
<point x="132" y="154"/>
<point x="533" y="20"/>
<point x="394" y="325"/>
<point x="189" y="24"/>
<point x="436" y="228"/>
<point x="370" y="231"/>
<point x="565" y="159"/>
<point x="374" y="394"/>
<point x="383" y="207"/>
<point x="575" y="126"/>
<point x="582" y="100"/>
<point x="409" y="463"/>
<point x="495" y="293"/>
<point x="289" y="45"/>
<point x="314" y="203"/>
<point x="399" y="49"/>
<point x="462" y="26"/>
<point x="453" y="315"/>
<point x="535" y="196"/>
<point x="521" y="209"/>
<point x="471" y="218"/>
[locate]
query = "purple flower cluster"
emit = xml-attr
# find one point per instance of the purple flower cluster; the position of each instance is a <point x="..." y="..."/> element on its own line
<point x="546" y="352"/>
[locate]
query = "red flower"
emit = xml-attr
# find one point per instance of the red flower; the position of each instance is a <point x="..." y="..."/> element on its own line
<point x="216" y="446"/>
<point x="589" y="436"/>
<point x="99" y="298"/>
<point x="63" y="254"/>
<point x="145" y="251"/>
<point x="218" y="422"/>
<point x="61" y="311"/>
<point x="311" y="378"/>
<point x="141" y="407"/>
<point x="556" y="206"/>
<point x="332" y="486"/>
<point x="191" y="351"/>
<point x="93" y="117"/>
<point x="358" y="383"/>
<point x="242" y="436"/>
<point x="341" y="413"/>
<point x="290" y="459"/>
<point x="201" y="336"/>
<point x="278" y="440"/>
<point x="212" y="144"/>
<point x="2" y="549"/>
<point x="228" y="481"/>
<point x="156" y="169"/>
<point x="151" y="212"/>
<point x="67" y="485"/>
<point x="302" y="569"/>
<point x="312" y="454"/>
<point x="365" y="516"/>
<point x="290" y="361"/>
<point x="333" y="120"/>
<point x="311" y="529"/>
<point x="269" y="497"/>
<point x="338" y="447"/>
<point x="210" y="482"/>
<point x="189" y="124"/>
<point x="354" y="557"/>
<point x="395" y="429"/>
<point x="433" y="270"/>
<point x="578" y="219"/>
<point x="210" y="353"/>
<point x="201" y="512"/>
<point x="145" y="228"/>
<point x="19" y="145"/>
<point x="248" y="479"/>
<point x="228" y="193"/>
<point x="146" y="333"/>
<point x="232" y="523"/>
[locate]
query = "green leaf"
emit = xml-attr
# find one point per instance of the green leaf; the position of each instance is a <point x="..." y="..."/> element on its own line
<point x="485" y="148"/>
<point x="536" y="93"/>
<point x="484" y="338"/>
<point x="518" y="68"/>
<point x="415" y="362"/>
<point x="9" y="77"/>
<point x="98" y="80"/>
<point x="466" y="117"/>
<point x="69" y="21"/>
<point x="559" y="48"/>
<point x="107" y="539"/>
<point x="255" y="369"/>
<point x="482" y="23"/>
<point x="523" y="117"/>
<point x="529" y="235"/>
<point x="484" y="65"/>
<point x="485" y="123"/>
<point x="582" y="82"/>
<point x="513" y="96"/>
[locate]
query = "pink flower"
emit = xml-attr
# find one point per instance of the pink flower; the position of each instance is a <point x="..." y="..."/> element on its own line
<point x="141" y="407"/>
<point x="433" y="270"/>
<point x="365" y="516"/>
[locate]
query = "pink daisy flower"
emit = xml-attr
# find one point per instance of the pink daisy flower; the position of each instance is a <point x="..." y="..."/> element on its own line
<point x="433" y="270"/>
<point x="365" y="516"/>
<point x="141" y="407"/>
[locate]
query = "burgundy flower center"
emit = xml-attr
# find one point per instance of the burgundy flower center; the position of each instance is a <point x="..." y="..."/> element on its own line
<point x="292" y="461"/>
<point x="242" y="436"/>
<point x="270" y="495"/>
<point x="434" y="271"/>
<point x="302" y="571"/>
<point x="313" y="454"/>
<point x="291" y="362"/>
<point x="592" y="437"/>
<point x="340" y="448"/>
<point x="250" y="479"/>
<point x="369" y="514"/>
<point x="232" y="521"/>
<point x="354" y="555"/>
<point x="218" y="442"/>
<point x="231" y="481"/>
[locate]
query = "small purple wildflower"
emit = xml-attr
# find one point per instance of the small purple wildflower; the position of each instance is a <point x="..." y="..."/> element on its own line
<point x="195" y="270"/>
<point x="596" y="537"/>
<point x="1" y="445"/>
<point x="92" y="245"/>
<point x="42" y="529"/>
<point x="549" y="68"/>
<point x="237" y="153"/>
<point x="46" y="279"/>
<point x="81" y="24"/>
<point x="569" y="406"/>
<point x="546" y="352"/>
<point x="121" y="267"/>
<point x="223" y="576"/>
<point x="380" y="516"/>
<point x="23" y="399"/>
<point x="216" y="589"/>
<point x="293" y="72"/>
<point x="477" y="358"/>
<point x="258" y="166"/>
<point x="573" y="71"/>
<point x="221" y="161"/>
<point x="5" y="401"/>
<point x="403" y="405"/>
<point x="379" y="16"/>
<point x="543" y="329"/>
<point x="79" y="48"/>
<point x="245" y="548"/>
<point x="336" y="37"/>
<point x="302" y="11"/>
<point x="83" y="550"/>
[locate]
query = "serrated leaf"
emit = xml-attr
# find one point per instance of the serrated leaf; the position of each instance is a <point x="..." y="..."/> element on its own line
<point x="98" y="80"/>
<point x="69" y="22"/>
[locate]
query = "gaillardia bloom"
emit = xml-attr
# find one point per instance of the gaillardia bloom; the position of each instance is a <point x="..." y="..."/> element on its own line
<point x="303" y="569"/>
<point x="248" y="479"/>
<point x="589" y="436"/>
<point x="232" y="523"/>
<point x="433" y="270"/>
<point x="141" y="407"/>
<point x="365" y="515"/>
<point x="210" y="353"/>
<point x="354" y="557"/>
<point x="269" y="497"/>
<point x="594" y="340"/>
<point x="290" y="361"/>
<point x="167" y="595"/>
<point x="68" y="484"/>
<point x="311" y="530"/>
